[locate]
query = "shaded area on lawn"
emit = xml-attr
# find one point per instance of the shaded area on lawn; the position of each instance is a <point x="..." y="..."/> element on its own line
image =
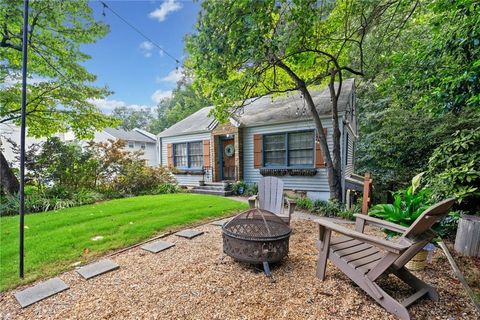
<point x="56" y="240"/>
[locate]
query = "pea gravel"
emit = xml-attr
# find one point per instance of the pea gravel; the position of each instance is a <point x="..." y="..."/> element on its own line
<point x="195" y="280"/>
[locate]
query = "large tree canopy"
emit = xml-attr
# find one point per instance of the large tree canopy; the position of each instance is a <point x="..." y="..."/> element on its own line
<point x="246" y="49"/>
<point x="60" y="89"/>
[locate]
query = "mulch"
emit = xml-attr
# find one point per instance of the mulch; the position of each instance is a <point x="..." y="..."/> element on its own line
<point x="195" y="280"/>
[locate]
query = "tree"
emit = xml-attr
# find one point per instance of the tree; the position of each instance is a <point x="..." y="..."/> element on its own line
<point x="60" y="89"/>
<point x="420" y="93"/>
<point x="248" y="49"/>
<point x="132" y="118"/>
<point x="184" y="101"/>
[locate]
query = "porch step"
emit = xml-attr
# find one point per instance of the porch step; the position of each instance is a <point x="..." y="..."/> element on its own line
<point x="216" y="192"/>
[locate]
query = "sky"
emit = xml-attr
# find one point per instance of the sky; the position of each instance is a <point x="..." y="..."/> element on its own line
<point x="136" y="71"/>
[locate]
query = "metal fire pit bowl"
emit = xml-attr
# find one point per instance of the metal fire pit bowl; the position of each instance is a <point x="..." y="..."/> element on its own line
<point x="256" y="236"/>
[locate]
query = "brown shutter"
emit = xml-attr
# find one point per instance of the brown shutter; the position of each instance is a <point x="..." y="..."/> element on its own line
<point x="169" y="155"/>
<point x="319" y="160"/>
<point x="206" y="153"/>
<point x="257" y="150"/>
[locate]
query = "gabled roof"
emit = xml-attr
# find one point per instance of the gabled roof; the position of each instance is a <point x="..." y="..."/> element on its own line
<point x="267" y="110"/>
<point x="132" y="135"/>
<point x="194" y="123"/>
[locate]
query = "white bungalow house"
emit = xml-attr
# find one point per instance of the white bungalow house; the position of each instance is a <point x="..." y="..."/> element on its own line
<point x="270" y="137"/>
<point x="137" y="140"/>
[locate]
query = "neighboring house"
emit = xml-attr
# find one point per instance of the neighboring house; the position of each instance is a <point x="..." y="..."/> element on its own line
<point x="10" y="132"/>
<point x="270" y="137"/>
<point x="137" y="140"/>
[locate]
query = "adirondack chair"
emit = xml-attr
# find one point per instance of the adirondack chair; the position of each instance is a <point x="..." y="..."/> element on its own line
<point x="270" y="197"/>
<point x="365" y="258"/>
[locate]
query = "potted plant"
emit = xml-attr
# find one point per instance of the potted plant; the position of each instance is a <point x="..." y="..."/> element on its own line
<point x="407" y="206"/>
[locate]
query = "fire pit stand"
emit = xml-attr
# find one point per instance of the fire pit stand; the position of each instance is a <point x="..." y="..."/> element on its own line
<point x="256" y="236"/>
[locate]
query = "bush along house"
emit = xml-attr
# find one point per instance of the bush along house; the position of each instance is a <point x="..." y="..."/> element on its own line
<point x="268" y="137"/>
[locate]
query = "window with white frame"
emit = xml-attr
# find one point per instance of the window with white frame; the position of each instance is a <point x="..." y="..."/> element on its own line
<point x="143" y="145"/>
<point x="289" y="149"/>
<point x="131" y="144"/>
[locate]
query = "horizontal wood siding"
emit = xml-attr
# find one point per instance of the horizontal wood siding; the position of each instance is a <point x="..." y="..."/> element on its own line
<point x="184" y="179"/>
<point x="317" y="183"/>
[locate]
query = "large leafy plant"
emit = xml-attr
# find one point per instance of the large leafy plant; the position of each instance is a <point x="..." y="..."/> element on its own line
<point x="407" y="206"/>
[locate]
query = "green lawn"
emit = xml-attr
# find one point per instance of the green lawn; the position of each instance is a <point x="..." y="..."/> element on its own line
<point x="55" y="240"/>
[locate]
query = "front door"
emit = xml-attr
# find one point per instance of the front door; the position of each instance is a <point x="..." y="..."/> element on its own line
<point x="228" y="159"/>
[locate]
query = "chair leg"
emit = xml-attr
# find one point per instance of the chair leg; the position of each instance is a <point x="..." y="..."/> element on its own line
<point x="417" y="284"/>
<point x="323" y="248"/>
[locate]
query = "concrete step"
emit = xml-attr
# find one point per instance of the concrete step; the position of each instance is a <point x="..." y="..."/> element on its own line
<point x="212" y="192"/>
<point x="206" y="187"/>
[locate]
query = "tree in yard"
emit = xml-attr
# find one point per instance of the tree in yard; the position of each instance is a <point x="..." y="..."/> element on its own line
<point x="249" y="49"/>
<point x="60" y="89"/>
<point x="131" y="118"/>
<point x="184" y="101"/>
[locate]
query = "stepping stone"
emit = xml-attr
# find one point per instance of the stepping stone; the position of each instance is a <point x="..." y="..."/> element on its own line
<point x="40" y="291"/>
<point x="97" y="268"/>
<point x="157" y="246"/>
<point x="220" y="223"/>
<point x="189" y="233"/>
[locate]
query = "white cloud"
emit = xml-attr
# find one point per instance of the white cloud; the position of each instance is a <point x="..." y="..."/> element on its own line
<point x="165" y="8"/>
<point x="159" y="95"/>
<point x="173" y="76"/>
<point x="107" y="105"/>
<point x="147" y="47"/>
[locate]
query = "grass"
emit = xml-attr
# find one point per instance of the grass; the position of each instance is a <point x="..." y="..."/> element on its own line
<point x="57" y="239"/>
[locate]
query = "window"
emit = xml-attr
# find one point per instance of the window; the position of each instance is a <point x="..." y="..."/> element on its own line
<point x="291" y="149"/>
<point x="131" y="144"/>
<point x="180" y="155"/>
<point x="143" y="145"/>
<point x="274" y="146"/>
<point x="300" y="148"/>
<point x="195" y="154"/>
<point x="188" y="154"/>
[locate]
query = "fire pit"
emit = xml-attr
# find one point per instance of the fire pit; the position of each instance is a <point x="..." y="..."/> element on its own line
<point x="256" y="236"/>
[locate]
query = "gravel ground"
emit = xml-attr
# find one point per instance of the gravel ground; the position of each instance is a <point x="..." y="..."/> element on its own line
<point x="195" y="280"/>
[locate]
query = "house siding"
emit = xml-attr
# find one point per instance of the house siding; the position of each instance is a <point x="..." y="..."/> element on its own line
<point x="185" y="179"/>
<point x="349" y="160"/>
<point x="316" y="186"/>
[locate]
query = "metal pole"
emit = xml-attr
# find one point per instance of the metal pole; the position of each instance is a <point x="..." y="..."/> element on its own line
<point x="22" y="133"/>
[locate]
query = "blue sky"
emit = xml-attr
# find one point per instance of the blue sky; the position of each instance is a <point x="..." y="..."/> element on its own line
<point x="137" y="72"/>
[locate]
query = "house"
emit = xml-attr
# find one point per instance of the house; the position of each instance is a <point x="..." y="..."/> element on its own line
<point x="268" y="137"/>
<point x="137" y="140"/>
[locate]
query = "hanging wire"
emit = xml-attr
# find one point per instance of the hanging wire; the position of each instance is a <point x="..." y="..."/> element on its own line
<point x="105" y="6"/>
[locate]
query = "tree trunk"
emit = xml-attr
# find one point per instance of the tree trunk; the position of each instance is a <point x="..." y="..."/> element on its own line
<point x="334" y="173"/>
<point x="337" y="163"/>
<point x="9" y="181"/>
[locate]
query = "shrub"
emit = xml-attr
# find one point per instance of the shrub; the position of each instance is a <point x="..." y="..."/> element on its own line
<point x="252" y="189"/>
<point x="166" y="188"/>
<point x="454" y="169"/>
<point x="240" y="188"/>
<point x="327" y="208"/>
<point x="136" y="178"/>
<point x="305" y="203"/>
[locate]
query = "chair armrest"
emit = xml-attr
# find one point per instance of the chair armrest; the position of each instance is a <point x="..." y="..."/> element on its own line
<point x="381" y="223"/>
<point x="291" y="204"/>
<point x="378" y="242"/>
<point x="252" y="201"/>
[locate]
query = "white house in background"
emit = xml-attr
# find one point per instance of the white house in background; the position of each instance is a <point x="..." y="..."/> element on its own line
<point x="269" y="138"/>
<point x="11" y="132"/>
<point x="137" y="140"/>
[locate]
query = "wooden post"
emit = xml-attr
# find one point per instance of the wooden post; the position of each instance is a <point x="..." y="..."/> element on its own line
<point x="467" y="241"/>
<point x="367" y="186"/>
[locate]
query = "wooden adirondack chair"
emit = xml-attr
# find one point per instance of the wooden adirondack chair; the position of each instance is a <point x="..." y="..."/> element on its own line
<point x="270" y="197"/>
<point x="364" y="258"/>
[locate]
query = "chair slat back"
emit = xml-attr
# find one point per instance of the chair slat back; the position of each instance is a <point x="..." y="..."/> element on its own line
<point x="270" y="194"/>
<point x="428" y="218"/>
